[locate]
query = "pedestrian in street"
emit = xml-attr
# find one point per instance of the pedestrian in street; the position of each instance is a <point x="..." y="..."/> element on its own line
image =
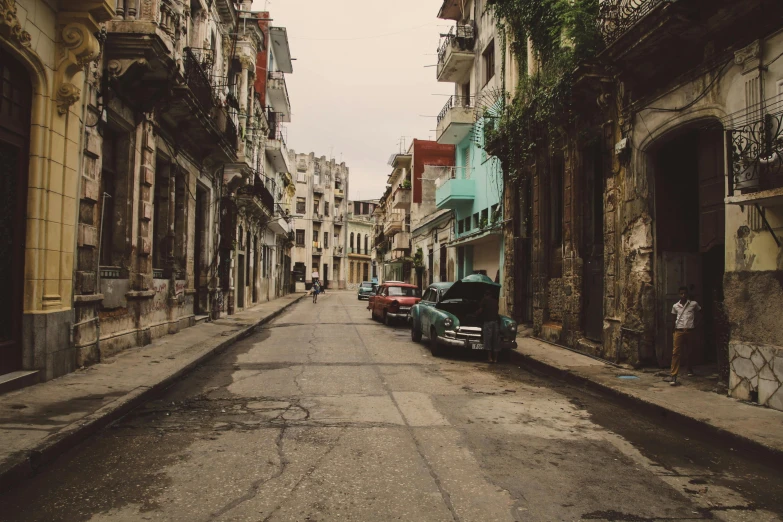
<point x="490" y="318"/>
<point x="316" y="291"/>
<point x="684" y="312"/>
<point x="315" y="275"/>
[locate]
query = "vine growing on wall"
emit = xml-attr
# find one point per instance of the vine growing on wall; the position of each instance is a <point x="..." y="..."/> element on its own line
<point x="563" y="33"/>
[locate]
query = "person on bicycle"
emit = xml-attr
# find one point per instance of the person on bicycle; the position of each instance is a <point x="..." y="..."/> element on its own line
<point x="316" y="290"/>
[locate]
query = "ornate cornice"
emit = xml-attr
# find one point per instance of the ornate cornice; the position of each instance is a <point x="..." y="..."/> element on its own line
<point x="10" y="27"/>
<point x="77" y="46"/>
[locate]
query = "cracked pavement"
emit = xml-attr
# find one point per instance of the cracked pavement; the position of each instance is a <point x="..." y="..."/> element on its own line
<point x="327" y="415"/>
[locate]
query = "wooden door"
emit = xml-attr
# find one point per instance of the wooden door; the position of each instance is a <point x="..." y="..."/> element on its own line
<point x="15" y="102"/>
<point x="675" y="269"/>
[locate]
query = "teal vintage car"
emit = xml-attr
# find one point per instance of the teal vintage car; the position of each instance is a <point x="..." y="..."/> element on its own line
<point x="366" y="289"/>
<point x="446" y="315"/>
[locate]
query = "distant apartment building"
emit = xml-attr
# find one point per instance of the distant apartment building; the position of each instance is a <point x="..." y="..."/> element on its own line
<point x="408" y="206"/>
<point x="320" y="227"/>
<point x="470" y="57"/>
<point x="361" y="263"/>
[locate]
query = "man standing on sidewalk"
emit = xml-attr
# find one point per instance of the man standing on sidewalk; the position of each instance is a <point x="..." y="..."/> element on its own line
<point x="684" y="312"/>
<point x="490" y="318"/>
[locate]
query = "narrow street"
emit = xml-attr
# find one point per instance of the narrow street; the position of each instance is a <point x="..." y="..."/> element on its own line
<point x="325" y="414"/>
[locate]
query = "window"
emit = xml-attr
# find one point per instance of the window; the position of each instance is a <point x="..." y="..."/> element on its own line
<point x="351" y="241"/>
<point x="495" y="215"/>
<point x="489" y="62"/>
<point x="476" y="220"/>
<point x="326" y="208"/>
<point x="485" y="217"/>
<point x="108" y="185"/>
<point x="467" y="224"/>
<point x="460" y="227"/>
<point x="403" y="291"/>
<point x="435" y="235"/>
<point x="301" y="205"/>
<point x="316" y="206"/>
<point x="300" y="177"/>
<point x="326" y="240"/>
<point x="366" y="271"/>
<point x="357" y="208"/>
<point x="300" y="235"/>
<point x="315" y="237"/>
<point x="366" y="243"/>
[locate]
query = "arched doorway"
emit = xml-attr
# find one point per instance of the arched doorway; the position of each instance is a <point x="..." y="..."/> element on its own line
<point x="15" y="105"/>
<point x="690" y="222"/>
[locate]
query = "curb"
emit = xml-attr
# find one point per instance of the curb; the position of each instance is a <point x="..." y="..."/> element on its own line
<point x="28" y="463"/>
<point x="751" y="447"/>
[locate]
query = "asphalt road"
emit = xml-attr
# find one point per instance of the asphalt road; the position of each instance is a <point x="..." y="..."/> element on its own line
<point x="327" y="415"/>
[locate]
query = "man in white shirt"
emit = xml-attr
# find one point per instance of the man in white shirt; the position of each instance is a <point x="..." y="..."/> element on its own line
<point x="684" y="312"/>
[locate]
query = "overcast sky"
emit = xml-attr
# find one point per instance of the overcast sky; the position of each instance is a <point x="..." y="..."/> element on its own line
<point x="356" y="89"/>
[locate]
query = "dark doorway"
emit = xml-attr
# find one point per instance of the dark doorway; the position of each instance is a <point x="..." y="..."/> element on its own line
<point x="241" y="281"/>
<point x="523" y="254"/>
<point x="15" y="103"/>
<point x="593" y="234"/>
<point x="430" y="267"/>
<point x="198" y="254"/>
<point x="690" y="234"/>
<point x="443" y="264"/>
<point x="325" y="275"/>
<point x="256" y="263"/>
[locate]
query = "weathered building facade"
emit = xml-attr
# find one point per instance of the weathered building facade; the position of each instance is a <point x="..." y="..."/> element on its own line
<point x="143" y="132"/>
<point x="675" y="183"/>
<point x="321" y="213"/>
<point x="361" y="248"/>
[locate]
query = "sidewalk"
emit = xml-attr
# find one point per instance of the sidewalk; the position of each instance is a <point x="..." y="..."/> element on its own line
<point x="752" y="426"/>
<point x="40" y="422"/>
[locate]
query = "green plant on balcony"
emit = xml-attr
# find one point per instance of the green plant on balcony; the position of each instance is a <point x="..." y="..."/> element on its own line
<point x="564" y="34"/>
<point x="418" y="258"/>
<point x="483" y="223"/>
<point x="406" y="184"/>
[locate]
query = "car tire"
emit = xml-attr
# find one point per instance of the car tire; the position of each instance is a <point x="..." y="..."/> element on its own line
<point x="434" y="345"/>
<point x="388" y="321"/>
<point x="415" y="333"/>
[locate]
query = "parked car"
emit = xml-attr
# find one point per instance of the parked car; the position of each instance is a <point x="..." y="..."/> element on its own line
<point x="366" y="289"/>
<point x="393" y="301"/>
<point x="446" y="315"/>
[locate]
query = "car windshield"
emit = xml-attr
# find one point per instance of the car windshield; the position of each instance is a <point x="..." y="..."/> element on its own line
<point x="367" y="286"/>
<point x="403" y="291"/>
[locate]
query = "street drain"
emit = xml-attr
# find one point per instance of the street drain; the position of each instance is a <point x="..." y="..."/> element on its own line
<point x="628" y="377"/>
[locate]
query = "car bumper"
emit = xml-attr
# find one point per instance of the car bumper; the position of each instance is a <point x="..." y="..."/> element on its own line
<point x="364" y="296"/>
<point x="463" y="343"/>
<point x="401" y="315"/>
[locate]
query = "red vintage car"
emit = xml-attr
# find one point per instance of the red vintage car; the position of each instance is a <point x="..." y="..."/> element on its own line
<point x="393" y="301"/>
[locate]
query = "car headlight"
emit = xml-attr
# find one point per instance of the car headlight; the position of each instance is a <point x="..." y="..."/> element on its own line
<point x="513" y="327"/>
<point x="448" y="323"/>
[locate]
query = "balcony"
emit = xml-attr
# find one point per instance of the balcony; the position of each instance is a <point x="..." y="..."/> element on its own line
<point x="256" y="199"/>
<point x="402" y="198"/>
<point x="756" y="161"/>
<point x="280" y="226"/>
<point x="319" y="188"/>
<point x="456" y="190"/>
<point x="338" y="251"/>
<point x="317" y="217"/>
<point x="455" y="54"/>
<point x="401" y="241"/>
<point x="317" y="250"/>
<point x="338" y="193"/>
<point x="455" y="120"/>
<point x="276" y="149"/>
<point x="392" y="227"/>
<point x="339" y="220"/>
<point x="641" y="36"/>
<point x="278" y="95"/>
<point x="359" y="252"/>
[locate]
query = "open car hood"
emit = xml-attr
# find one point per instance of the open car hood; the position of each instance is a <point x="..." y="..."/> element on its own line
<point x="472" y="287"/>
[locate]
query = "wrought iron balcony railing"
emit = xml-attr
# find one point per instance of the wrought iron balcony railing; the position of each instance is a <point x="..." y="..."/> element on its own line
<point x="456" y="101"/>
<point x="258" y="190"/>
<point x="757" y="155"/>
<point x="460" y="36"/>
<point x="615" y="17"/>
<point x="198" y="79"/>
